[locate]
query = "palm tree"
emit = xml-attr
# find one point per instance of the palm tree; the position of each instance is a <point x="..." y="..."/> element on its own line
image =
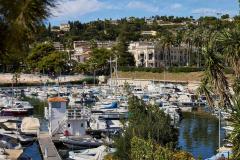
<point x="231" y="42"/>
<point x="22" y="19"/>
<point x="214" y="73"/>
<point x="188" y="40"/>
<point x="178" y="41"/>
<point x="167" y="40"/>
<point x="206" y="89"/>
<point x="198" y="43"/>
<point x="226" y="46"/>
<point x="235" y="136"/>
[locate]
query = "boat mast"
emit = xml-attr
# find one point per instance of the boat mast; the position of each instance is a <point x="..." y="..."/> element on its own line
<point x="12" y="90"/>
<point x="219" y="129"/>
<point x="110" y="61"/>
<point x="116" y="71"/>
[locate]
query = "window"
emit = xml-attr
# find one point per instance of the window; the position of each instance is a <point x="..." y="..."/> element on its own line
<point x="69" y="125"/>
<point x="56" y="104"/>
<point x="167" y="57"/>
<point x="150" y="56"/>
<point x="161" y="56"/>
<point x="82" y="124"/>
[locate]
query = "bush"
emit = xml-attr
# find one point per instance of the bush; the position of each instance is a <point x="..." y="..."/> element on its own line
<point x="184" y="69"/>
<point x="181" y="155"/>
<point x="171" y="69"/>
<point x="85" y="80"/>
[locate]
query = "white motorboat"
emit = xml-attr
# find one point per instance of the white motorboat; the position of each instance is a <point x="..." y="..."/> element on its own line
<point x="91" y="154"/>
<point x="76" y="142"/>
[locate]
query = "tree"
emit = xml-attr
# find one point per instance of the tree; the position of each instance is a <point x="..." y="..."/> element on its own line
<point x="125" y="58"/>
<point x="179" y="40"/>
<point x="214" y="73"/>
<point x="15" y="78"/>
<point x="54" y="63"/>
<point x="145" y="121"/>
<point x="99" y="59"/>
<point x="142" y="149"/>
<point x="188" y="40"/>
<point x="235" y="119"/>
<point x="167" y="40"/>
<point x="21" y="21"/>
<point x="43" y="57"/>
<point x="219" y="49"/>
<point x="225" y="16"/>
<point x="38" y="52"/>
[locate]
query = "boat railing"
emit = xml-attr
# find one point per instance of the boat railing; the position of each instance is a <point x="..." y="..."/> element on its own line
<point x="76" y="114"/>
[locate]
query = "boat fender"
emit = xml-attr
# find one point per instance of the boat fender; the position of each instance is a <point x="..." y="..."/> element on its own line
<point x="66" y="133"/>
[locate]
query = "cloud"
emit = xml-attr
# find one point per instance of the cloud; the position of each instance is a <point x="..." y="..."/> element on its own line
<point x="176" y="6"/>
<point x="78" y="7"/>
<point x="210" y="11"/>
<point x="143" y="6"/>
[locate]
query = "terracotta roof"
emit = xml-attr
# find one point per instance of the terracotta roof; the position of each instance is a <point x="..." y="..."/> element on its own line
<point x="57" y="99"/>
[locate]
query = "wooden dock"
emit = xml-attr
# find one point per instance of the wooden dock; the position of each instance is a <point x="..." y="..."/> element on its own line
<point x="48" y="148"/>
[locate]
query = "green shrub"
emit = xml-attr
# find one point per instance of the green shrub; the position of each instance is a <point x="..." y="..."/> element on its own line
<point x="184" y="69"/>
<point x="89" y="80"/>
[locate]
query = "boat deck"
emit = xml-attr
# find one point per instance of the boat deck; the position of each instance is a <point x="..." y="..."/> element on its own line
<point x="48" y="148"/>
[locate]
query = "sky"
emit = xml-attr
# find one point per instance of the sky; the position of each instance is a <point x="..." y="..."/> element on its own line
<point x="89" y="10"/>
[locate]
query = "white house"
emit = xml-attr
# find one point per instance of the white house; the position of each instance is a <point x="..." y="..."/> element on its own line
<point x="153" y="55"/>
<point x="151" y="33"/>
<point x="65" y="27"/>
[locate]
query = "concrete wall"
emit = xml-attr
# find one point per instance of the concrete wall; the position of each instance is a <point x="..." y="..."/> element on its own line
<point x="192" y="85"/>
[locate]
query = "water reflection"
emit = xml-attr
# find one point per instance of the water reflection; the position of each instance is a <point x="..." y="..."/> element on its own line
<point x="199" y="134"/>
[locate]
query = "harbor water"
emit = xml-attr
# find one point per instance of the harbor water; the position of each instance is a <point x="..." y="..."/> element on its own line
<point x="199" y="134"/>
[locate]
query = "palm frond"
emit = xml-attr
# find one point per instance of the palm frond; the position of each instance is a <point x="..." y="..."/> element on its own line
<point x="206" y="90"/>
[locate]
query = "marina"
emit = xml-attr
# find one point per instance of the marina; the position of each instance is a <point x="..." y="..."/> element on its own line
<point x="119" y="80"/>
<point x="82" y="118"/>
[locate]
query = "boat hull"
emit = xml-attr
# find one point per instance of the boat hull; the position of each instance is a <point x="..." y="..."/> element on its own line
<point x="80" y="144"/>
<point x="14" y="113"/>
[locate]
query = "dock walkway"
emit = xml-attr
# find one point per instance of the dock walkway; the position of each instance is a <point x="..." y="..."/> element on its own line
<point x="48" y="148"/>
